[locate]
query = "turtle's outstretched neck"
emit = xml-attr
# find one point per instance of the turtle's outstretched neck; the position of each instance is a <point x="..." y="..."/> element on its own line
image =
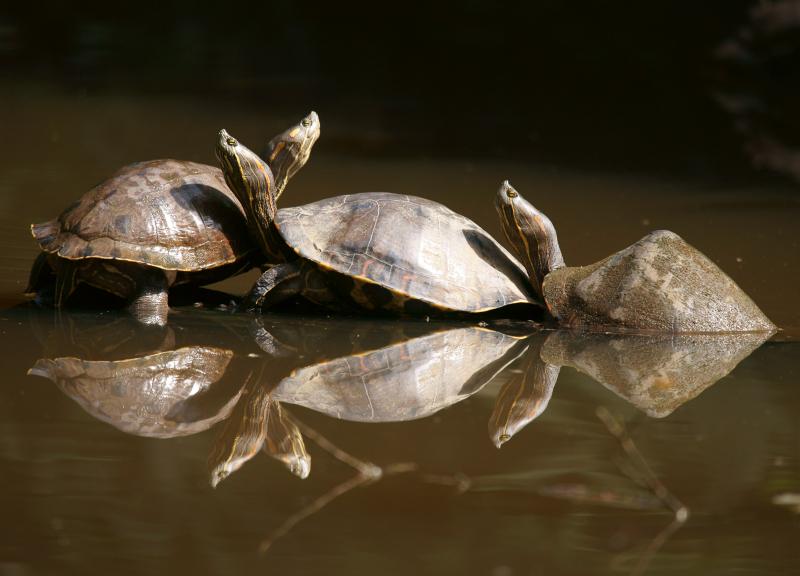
<point x="530" y="233"/>
<point x="252" y="182"/>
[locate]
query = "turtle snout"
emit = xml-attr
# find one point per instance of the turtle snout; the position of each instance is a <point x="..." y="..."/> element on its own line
<point x="225" y="138"/>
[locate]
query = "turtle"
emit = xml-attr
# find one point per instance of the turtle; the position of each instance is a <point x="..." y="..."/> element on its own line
<point x="156" y="224"/>
<point x="658" y="284"/>
<point x="374" y="251"/>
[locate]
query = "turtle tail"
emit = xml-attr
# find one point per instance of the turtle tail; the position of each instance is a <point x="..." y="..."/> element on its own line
<point x="46" y="234"/>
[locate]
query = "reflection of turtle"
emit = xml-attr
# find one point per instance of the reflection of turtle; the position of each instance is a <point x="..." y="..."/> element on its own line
<point x="259" y="422"/>
<point x="144" y="396"/>
<point x="403" y="381"/>
<point x="375" y="251"/>
<point x="525" y="395"/>
<point x="660" y="283"/>
<point x="153" y="225"/>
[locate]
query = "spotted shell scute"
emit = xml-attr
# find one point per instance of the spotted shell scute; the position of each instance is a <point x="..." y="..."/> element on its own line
<point x="415" y="247"/>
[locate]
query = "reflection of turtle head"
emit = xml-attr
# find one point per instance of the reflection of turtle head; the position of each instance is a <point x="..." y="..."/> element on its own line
<point x="530" y="233"/>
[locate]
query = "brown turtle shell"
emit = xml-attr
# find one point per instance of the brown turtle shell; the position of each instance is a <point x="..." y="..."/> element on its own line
<point x="138" y="395"/>
<point x="403" y="381"/>
<point x="170" y="214"/>
<point x="414" y="247"/>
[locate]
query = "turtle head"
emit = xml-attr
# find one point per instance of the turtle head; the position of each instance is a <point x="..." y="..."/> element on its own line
<point x="251" y="180"/>
<point x="530" y="233"/>
<point x="289" y="151"/>
<point x="247" y="175"/>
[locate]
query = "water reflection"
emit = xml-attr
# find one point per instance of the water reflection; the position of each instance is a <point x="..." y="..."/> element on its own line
<point x="363" y="371"/>
<point x="143" y="381"/>
<point x="270" y="381"/>
<point x="655" y="373"/>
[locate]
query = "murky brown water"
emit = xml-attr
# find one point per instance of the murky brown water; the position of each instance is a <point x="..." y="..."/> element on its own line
<point x="619" y="454"/>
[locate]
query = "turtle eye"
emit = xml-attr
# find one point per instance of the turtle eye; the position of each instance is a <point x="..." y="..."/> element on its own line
<point x="306" y="122"/>
<point x="232" y="141"/>
<point x="511" y="193"/>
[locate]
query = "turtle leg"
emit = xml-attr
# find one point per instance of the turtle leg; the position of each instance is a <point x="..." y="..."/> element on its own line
<point x="42" y="280"/>
<point x="66" y="280"/>
<point x="149" y="303"/>
<point x="275" y="285"/>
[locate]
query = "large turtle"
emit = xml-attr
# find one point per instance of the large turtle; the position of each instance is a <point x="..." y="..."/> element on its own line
<point x="156" y="224"/>
<point x="374" y="251"/>
<point x="659" y="284"/>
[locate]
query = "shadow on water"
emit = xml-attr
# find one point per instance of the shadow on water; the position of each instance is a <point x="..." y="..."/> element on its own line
<point x="405" y="407"/>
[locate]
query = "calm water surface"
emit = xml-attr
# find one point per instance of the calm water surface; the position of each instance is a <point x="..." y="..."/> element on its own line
<point x="313" y="445"/>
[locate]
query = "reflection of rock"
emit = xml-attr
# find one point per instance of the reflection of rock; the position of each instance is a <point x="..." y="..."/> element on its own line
<point x="404" y="381"/>
<point x="655" y="373"/>
<point x="524" y="396"/>
<point x="139" y="395"/>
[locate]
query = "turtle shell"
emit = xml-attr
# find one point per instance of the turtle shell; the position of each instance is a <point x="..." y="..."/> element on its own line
<point x="414" y="247"/>
<point x="170" y="214"/>
<point x="140" y="395"/>
<point x="403" y="381"/>
<point x="659" y="284"/>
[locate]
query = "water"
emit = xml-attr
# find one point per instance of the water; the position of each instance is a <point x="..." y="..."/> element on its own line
<point x="619" y="455"/>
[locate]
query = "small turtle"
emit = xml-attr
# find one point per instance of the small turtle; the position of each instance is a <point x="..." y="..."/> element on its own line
<point x="659" y="284"/>
<point x="156" y="224"/>
<point x="374" y="251"/>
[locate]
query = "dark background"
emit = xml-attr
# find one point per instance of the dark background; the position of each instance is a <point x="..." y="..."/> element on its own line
<point x="688" y="88"/>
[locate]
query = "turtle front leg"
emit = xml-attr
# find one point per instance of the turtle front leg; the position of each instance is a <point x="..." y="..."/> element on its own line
<point x="277" y="284"/>
<point x="149" y="303"/>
